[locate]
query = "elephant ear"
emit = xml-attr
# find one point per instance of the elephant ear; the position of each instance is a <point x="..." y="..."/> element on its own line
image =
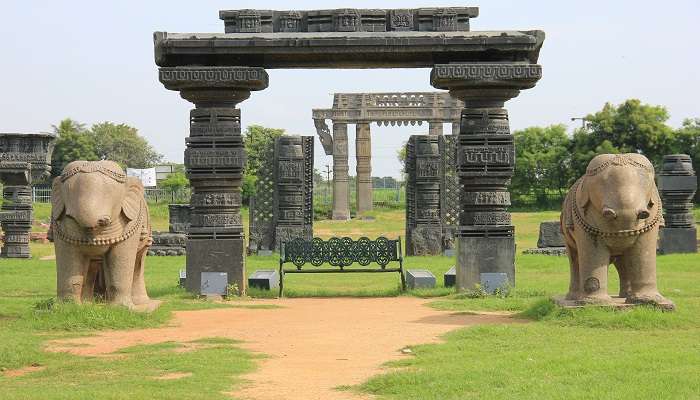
<point x="582" y="195"/>
<point x="133" y="198"/>
<point x="58" y="205"/>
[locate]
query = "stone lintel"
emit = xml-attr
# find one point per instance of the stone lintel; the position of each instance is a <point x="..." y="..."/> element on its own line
<point x="345" y="49"/>
<point x="213" y="84"/>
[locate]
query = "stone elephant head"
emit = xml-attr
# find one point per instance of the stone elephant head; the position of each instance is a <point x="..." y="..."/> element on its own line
<point x="100" y="228"/>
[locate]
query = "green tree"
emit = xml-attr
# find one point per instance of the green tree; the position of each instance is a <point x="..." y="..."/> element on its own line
<point x="401" y="155"/>
<point x="541" y="159"/>
<point x="123" y="144"/>
<point x="175" y="181"/>
<point x="258" y="141"/>
<point x="630" y="127"/>
<point x="73" y="142"/>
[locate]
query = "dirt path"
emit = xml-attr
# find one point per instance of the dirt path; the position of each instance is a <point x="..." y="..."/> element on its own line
<point x="314" y="345"/>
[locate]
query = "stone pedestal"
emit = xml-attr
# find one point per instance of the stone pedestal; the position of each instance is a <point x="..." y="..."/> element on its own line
<point x="341" y="205"/>
<point x="677" y="185"/>
<point x="485" y="163"/>
<point x="363" y="151"/>
<point x="173" y="242"/>
<point x="214" y="161"/>
<point x="24" y="159"/>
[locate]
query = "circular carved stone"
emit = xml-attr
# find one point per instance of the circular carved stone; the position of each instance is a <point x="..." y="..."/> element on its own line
<point x="591" y="285"/>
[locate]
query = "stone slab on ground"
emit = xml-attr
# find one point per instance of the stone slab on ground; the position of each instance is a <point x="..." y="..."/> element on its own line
<point x="450" y="277"/>
<point x="265" y="279"/>
<point x="419" y="278"/>
<point x="548" y="251"/>
<point x="618" y="302"/>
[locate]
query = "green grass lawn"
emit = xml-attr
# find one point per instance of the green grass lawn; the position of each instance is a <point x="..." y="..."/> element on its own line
<point x="591" y="353"/>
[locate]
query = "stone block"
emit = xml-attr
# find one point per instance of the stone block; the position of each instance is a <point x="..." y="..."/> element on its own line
<point x="424" y="241"/>
<point x="491" y="281"/>
<point x="675" y="182"/>
<point x="215" y="255"/>
<point x="550" y="235"/>
<point x="450" y="277"/>
<point x="678" y="240"/>
<point x="449" y="253"/>
<point x="265" y="253"/>
<point x="419" y="278"/>
<point x="213" y="283"/>
<point x="266" y="279"/>
<point x="477" y="255"/>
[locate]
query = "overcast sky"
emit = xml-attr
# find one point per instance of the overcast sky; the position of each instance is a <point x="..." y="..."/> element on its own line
<point x="93" y="61"/>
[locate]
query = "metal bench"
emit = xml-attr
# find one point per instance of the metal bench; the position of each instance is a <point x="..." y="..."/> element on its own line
<point x="341" y="253"/>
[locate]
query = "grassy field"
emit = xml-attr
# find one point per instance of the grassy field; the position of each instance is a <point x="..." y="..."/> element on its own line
<point x="589" y="353"/>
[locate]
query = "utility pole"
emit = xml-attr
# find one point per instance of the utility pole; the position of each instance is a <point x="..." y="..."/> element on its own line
<point x="328" y="183"/>
<point x="583" y="121"/>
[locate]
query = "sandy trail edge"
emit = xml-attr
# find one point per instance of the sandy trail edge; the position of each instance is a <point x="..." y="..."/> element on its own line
<point x="313" y="345"/>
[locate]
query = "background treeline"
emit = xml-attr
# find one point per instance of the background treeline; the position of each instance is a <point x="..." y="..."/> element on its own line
<point x="548" y="160"/>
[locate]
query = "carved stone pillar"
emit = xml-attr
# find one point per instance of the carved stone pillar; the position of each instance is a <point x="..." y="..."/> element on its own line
<point x="423" y="215"/>
<point x="677" y="185"/>
<point x="214" y="160"/>
<point x="485" y="164"/>
<point x="24" y="159"/>
<point x="434" y="128"/>
<point x="341" y="205"/>
<point x="291" y="178"/>
<point x="363" y="151"/>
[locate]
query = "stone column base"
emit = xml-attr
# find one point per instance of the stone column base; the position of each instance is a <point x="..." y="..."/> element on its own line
<point x="678" y="240"/>
<point x="477" y="255"/>
<point x="215" y="255"/>
<point x="424" y="241"/>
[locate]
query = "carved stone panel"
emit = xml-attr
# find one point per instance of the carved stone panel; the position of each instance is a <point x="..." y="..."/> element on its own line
<point x="24" y="159"/>
<point x="423" y="220"/>
<point x="677" y="184"/>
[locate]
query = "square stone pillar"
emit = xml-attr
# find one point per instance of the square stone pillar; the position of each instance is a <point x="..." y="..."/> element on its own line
<point x="341" y="205"/>
<point x="214" y="161"/>
<point x="434" y="128"/>
<point x="455" y="128"/>
<point x="485" y="164"/>
<point x="363" y="151"/>
<point x="677" y="184"/>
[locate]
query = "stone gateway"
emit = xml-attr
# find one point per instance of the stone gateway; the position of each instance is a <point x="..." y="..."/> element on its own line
<point x="216" y="71"/>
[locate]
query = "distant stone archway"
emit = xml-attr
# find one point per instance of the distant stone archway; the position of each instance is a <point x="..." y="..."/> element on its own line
<point x="361" y="109"/>
<point x="216" y="71"/>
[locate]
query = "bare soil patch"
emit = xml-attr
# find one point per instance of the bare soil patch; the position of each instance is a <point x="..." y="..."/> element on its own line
<point x="14" y="373"/>
<point x="312" y="345"/>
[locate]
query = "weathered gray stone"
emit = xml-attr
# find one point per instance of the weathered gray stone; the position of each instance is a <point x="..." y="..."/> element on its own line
<point x="547" y="251"/>
<point x="265" y="279"/>
<point x="677" y="186"/>
<point x="179" y="217"/>
<point x="450" y="277"/>
<point x="491" y="282"/>
<point x="477" y="255"/>
<point x="168" y="244"/>
<point x="550" y="235"/>
<point x="183" y="278"/>
<point x="420" y="279"/>
<point x="24" y="159"/>
<point x="214" y="283"/>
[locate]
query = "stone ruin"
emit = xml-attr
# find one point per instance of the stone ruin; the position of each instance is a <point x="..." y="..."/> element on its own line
<point x="550" y="241"/>
<point x="24" y="159"/>
<point x="361" y="109"/>
<point x="677" y="186"/>
<point x="432" y="195"/>
<point x="217" y="71"/>
<point x="282" y="208"/>
<point x="173" y="242"/>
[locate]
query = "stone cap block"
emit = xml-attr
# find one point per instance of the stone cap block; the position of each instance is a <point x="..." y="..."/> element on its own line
<point x="677" y="182"/>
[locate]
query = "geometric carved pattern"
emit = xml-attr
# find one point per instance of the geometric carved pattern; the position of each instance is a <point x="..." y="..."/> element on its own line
<point x="262" y="212"/>
<point x="449" y="191"/>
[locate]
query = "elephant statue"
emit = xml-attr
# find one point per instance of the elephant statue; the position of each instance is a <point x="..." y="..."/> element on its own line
<point x="612" y="215"/>
<point x="101" y="232"/>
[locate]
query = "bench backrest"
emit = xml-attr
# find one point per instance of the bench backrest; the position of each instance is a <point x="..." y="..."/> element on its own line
<point x="341" y="252"/>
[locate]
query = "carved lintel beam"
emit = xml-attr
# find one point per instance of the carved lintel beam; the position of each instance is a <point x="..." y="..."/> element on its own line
<point x="208" y="86"/>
